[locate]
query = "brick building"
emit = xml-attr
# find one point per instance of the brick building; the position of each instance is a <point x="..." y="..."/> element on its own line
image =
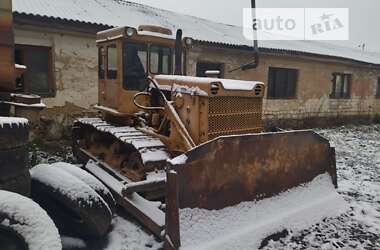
<point x="306" y="81"/>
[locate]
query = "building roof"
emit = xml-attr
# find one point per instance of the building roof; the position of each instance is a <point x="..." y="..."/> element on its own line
<point x="116" y="13"/>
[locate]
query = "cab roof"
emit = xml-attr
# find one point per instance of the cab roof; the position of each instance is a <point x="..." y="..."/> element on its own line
<point x="130" y="32"/>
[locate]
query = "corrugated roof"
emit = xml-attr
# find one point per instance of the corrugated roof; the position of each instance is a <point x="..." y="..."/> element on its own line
<point x="123" y="13"/>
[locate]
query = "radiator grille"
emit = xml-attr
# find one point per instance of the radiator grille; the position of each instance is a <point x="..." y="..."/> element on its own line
<point x="234" y="115"/>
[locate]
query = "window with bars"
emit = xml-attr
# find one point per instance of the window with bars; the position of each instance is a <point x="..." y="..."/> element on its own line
<point x="341" y="86"/>
<point x="282" y="83"/>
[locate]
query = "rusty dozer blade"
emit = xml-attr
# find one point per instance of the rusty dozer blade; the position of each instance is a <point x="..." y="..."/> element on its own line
<point x="232" y="169"/>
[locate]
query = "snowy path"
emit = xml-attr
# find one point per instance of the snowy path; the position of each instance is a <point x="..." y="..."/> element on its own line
<point x="358" y="163"/>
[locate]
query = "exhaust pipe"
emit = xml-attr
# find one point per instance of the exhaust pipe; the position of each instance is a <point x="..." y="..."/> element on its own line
<point x="255" y="41"/>
<point x="178" y="53"/>
<point x="255" y="62"/>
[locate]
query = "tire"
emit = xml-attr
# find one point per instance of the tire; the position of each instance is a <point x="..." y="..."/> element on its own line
<point x="75" y="207"/>
<point x="90" y="180"/>
<point x="19" y="184"/>
<point x="14" y="132"/>
<point x="24" y="225"/>
<point x="14" y="175"/>
<point x="13" y="162"/>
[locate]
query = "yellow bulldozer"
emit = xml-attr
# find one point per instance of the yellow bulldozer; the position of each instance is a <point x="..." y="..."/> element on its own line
<point x="193" y="142"/>
<point x="190" y="142"/>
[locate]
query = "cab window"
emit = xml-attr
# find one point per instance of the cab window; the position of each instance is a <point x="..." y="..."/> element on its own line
<point x="111" y="62"/>
<point x="135" y="58"/>
<point x="160" y="60"/>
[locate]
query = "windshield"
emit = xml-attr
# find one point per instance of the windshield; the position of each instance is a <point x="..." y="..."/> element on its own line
<point x="135" y="61"/>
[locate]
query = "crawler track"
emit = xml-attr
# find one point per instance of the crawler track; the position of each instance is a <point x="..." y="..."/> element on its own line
<point x="126" y="149"/>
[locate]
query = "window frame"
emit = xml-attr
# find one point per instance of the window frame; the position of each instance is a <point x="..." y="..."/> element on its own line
<point x="24" y="48"/>
<point x="377" y="94"/>
<point x="221" y="65"/>
<point x="124" y="82"/>
<point x="170" y="64"/>
<point x="333" y="94"/>
<point x="274" y="69"/>
<point x="101" y="58"/>
<point x="107" y="76"/>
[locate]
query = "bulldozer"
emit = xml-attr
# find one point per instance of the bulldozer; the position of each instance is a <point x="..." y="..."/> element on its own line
<point x="156" y="116"/>
<point x="192" y="142"/>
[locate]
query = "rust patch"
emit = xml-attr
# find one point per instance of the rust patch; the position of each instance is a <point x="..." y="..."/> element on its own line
<point x="7" y="66"/>
<point x="229" y="170"/>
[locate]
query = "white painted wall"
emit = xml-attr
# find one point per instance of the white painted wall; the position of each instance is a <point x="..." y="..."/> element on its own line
<point x="74" y="64"/>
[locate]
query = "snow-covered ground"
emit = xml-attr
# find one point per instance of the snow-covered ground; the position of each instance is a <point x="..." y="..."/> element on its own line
<point x="358" y="166"/>
<point x="125" y="234"/>
<point x="247" y="224"/>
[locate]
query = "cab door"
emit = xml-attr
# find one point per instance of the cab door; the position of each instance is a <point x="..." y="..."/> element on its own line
<point x="110" y="84"/>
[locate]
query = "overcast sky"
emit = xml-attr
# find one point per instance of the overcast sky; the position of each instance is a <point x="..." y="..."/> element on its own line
<point x="364" y="14"/>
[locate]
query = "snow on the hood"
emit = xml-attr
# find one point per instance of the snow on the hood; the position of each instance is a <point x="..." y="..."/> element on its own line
<point x="189" y="90"/>
<point x="228" y="84"/>
<point x="231" y="84"/>
<point x="73" y="187"/>
<point x="178" y="78"/>
<point x="13" y="121"/>
<point x="33" y="222"/>
<point x="245" y="225"/>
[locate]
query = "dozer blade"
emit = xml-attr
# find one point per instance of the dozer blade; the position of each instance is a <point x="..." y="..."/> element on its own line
<point x="232" y="169"/>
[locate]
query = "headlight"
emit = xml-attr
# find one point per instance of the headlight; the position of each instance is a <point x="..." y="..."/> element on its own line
<point x="130" y="31"/>
<point x="189" y="41"/>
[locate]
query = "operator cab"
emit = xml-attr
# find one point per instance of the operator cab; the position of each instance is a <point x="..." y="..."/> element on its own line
<point x="126" y="57"/>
